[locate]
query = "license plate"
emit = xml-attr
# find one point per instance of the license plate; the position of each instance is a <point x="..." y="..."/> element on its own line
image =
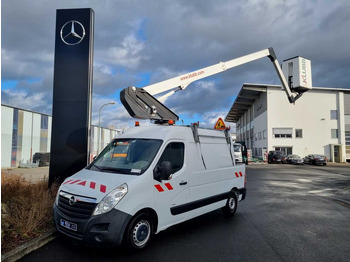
<point x="69" y="225"/>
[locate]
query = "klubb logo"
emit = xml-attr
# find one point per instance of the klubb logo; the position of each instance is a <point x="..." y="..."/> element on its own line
<point x="303" y="71"/>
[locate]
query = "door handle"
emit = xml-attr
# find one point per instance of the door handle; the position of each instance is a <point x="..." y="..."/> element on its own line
<point x="182" y="183"/>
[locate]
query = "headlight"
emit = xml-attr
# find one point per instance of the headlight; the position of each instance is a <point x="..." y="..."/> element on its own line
<point x="57" y="196"/>
<point x="110" y="201"/>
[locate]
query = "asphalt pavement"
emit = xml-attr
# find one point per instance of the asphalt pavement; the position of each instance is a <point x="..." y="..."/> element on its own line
<point x="291" y="213"/>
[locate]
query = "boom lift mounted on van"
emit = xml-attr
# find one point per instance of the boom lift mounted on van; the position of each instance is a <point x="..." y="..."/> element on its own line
<point x="141" y="103"/>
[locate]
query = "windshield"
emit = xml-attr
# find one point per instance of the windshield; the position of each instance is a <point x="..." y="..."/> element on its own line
<point x="237" y="148"/>
<point x="126" y="156"/>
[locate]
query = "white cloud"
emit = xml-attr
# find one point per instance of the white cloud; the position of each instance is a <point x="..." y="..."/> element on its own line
<point x="210" y="119"/>
<point x="25" y="100"/>
<point x="174" y="37"/>
<point x="128" y="54"/>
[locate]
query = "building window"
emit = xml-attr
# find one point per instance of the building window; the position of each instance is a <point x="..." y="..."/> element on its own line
<point x="259" y="135"/>
<point x="334" y="133"/>
<point x="334" y="114"/>
<point x="264" y="134"/>
<point x="256" y="136"/>
<point x="287" y="150"/>
<point x="282" y="132"/>
<point x="298" y="133"/>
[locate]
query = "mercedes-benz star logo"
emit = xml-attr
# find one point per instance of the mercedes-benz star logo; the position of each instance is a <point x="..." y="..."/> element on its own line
<point x="72" y="200"/>
<point x="72" y="32"/>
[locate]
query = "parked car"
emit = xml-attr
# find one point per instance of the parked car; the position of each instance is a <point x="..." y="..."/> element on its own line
<point x="315" y="159"/>
<point x="294" y="159"/>
<point x="276" y="156"/>
<point x="42" y="157"/>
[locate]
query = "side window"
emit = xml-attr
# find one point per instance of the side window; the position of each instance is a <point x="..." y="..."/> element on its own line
<point x="174" y="153"/>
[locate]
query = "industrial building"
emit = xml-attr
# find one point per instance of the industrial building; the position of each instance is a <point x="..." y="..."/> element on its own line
<point x="318" y="123"/>
<point x="24" y="133"/>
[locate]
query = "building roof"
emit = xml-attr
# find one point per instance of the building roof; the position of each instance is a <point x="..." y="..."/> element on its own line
<point x="250" y="92"/>
<point x="245" y="98"/>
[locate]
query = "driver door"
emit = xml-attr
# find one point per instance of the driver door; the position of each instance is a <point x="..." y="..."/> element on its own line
<point x="170" y="194"/>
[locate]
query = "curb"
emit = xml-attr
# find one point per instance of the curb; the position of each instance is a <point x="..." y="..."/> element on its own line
<point x="26" y="248"/>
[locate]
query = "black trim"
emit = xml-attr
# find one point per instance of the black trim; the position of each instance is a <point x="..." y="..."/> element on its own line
<point x="272" y="55"/>
<point x="101" y="230"/>
<point x="198" y="203"/>
<point x="243" y="192"/>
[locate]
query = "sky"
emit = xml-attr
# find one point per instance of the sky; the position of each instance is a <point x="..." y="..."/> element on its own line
<point x="138" y="43"/>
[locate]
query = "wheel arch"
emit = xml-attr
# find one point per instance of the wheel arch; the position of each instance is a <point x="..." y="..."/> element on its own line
<point x="236" y="191"/>
<point x="152" y="213"/>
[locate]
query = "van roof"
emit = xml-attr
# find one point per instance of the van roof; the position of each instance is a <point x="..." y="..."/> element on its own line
<point x="168" y="132"/>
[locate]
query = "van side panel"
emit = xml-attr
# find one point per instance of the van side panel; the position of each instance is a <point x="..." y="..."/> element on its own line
<point x="213" y="174"/>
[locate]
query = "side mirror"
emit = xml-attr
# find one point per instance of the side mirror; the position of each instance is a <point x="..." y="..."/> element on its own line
<point x="162" y="171"/>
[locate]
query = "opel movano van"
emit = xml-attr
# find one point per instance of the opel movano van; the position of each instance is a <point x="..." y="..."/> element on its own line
<point x="146" y="180"/>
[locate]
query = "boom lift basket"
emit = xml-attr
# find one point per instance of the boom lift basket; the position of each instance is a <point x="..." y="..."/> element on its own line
<point x="140" y="104"/>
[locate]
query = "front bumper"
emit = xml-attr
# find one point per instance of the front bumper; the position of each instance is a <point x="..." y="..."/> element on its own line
<point x="105" y="229"/>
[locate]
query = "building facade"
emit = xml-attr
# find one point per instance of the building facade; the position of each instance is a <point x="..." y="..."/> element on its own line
<point x="24" y="133"/>
<point x="318" y="123"/>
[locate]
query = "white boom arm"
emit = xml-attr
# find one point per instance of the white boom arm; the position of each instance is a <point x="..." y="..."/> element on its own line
<point x="182" y="81"/>
<point x="140" y="103"/>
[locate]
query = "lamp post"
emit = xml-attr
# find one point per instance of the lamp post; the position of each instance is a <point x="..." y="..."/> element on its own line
<point x="99" y="126"/>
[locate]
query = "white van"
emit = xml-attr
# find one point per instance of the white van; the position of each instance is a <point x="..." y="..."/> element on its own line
<point x="146" y="180"/>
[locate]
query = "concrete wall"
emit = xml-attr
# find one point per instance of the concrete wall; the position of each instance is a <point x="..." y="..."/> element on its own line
<point x="6" y="135"/>
<point x="21" y="135"/>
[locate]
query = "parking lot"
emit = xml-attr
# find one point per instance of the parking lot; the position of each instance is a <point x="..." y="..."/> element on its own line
<point x="291" y="213"/>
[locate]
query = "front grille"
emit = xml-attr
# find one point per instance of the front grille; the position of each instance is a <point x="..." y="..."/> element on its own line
<point x="80" y="209"/>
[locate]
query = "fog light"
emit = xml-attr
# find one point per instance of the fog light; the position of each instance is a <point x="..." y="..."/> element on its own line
<point x="100" y="227"/>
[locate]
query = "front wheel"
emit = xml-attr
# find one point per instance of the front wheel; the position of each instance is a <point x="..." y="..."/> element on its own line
<point x="231" y="205"/>
<point x="139" y="232"/>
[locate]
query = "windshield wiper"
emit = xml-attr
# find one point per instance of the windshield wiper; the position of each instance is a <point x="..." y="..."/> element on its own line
<point x="115" y="170"/>
<point x="97" y="167"/>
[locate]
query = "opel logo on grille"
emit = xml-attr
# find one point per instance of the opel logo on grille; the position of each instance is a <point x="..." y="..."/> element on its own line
<point x="72" y="200"/>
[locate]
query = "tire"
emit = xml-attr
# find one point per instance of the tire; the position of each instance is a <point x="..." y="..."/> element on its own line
<point x="231" y="205"/>
<point x="139" y="232"/>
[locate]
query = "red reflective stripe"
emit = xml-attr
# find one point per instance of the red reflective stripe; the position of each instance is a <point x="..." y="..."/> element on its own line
<point x="74" y="181"/>
<point x="168" y="186"/>
<point x="236" y="174"/>
<point x="159" y="188"/>
<point x="103" y="188"/>
<point x="67" y="181"/>
<point x="82" y="183"/>
<point x="240" y="173"/>
<point x="92" y="185"/>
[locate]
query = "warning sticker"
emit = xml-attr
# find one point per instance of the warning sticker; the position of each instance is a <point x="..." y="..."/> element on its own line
<point x="220" y="125"/>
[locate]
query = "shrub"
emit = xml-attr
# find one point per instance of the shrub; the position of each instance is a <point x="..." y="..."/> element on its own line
<point x="26" y="208"/>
